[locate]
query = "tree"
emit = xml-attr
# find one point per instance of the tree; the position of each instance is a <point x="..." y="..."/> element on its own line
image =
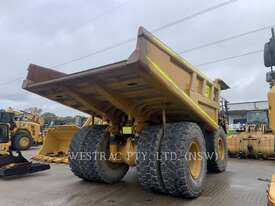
<point x="34" y="110"/>
<point x="49" y="117"/>
<point x="65" y="120"/>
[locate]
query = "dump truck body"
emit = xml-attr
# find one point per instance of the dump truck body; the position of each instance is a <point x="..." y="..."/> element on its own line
<point x="153" y="78"/>
<point x="153" y="103"/>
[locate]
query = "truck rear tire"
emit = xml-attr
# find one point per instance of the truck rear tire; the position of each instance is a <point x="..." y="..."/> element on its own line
<point x="22" y="140"/>
<point x="148" y="164"/>
<point x="77" y="143"/>
<point x="88" y="156"/>
<point x="216" y="146"/>
<point x="183" y="174"/>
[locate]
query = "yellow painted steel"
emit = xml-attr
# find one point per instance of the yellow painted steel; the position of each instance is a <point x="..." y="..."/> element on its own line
<point x="194" y="97"/>
<point x="29" y="122"/>
<point x="221" y="148"/>
<point x="271" y="192"/>
<point x="123" y="153"/>
<point x="207" y="91"/>
<point x="271" y="110"/>
<point x="56" y="144"/>
<point x="33" y="128"/>
<point x="57" y="141"/>
<point x="4" y="148"/>
<point x="256" y="141"/>
<point x="127" y="130"/>
<point x="180" y="59"/>
<point x="24" y="141"/>
<point x="194" y="162"/>
<point x="252" y="144"/>
<point x="186" y="99"/>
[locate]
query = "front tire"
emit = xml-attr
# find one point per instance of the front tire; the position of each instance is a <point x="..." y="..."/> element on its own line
<point x="183" y="175"/>
<point x="88" y="156"/>
<point x="22" y="140"/>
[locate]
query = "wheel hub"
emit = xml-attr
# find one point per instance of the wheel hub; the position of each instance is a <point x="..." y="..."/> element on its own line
<point x="24" y="141"/>
<point x="195" y="160"/>
<point x="221" y="149"/>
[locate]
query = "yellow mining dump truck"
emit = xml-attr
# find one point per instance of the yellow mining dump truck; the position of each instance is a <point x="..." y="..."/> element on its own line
<point x="162" y="116"/>
<point x="258" y="139"/>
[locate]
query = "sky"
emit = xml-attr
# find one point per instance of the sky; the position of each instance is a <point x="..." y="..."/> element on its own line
<point x="50" y="32"/>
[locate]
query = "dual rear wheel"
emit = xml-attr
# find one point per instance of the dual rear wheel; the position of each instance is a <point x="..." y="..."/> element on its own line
<point x="88" y="156"/>
<point x="169" y="160"/>
<point x="181" y="166"/>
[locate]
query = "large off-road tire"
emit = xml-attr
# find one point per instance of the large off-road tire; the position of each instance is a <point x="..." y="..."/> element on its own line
<point x="216" y="146"/>
<point x="88" y="156"/>
<point x="148" y="164"/>
<point x="183" y="174"/>
<point x="22" y="140"/>
<point x="77" y="143"/>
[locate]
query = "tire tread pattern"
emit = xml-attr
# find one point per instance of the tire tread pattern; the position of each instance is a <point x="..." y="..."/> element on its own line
<point x="176" y="174"/>
<point x="148" y="164"/>
<point x="90" y="140"/>
<point x="214" y="164"/>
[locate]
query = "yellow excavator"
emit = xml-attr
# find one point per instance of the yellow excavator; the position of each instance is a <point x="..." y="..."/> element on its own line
<point x="11" y="164"/>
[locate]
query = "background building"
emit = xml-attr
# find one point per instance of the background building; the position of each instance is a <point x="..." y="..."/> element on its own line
<point x="237" y="112"/>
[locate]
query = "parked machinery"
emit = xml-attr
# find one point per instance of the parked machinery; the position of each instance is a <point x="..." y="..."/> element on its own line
<point x="269" y="61"/>
<point x="258" y="139"/>
<point x="156" y="104"/>
<point x="11" y="164"/>
<point x="57" y="140"/>
<point x="26" y="130"/>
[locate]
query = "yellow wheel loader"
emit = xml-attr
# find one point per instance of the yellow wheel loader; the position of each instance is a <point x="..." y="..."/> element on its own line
<point x="162" y="116"/>
<point x="31" y="123"/>
<point x="269" y="61"/>
<point x="258" y="139"/>
<point x="11" y="164"/>
<point x="26" y="131"/>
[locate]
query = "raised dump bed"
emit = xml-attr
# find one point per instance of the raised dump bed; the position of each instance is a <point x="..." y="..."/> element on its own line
<point x="154" y="90"/>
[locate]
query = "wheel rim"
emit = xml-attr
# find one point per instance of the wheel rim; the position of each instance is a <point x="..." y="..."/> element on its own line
<point x="195" y="160"/>
<point x="221" y="148"/>
<point x="24" y="142"/>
